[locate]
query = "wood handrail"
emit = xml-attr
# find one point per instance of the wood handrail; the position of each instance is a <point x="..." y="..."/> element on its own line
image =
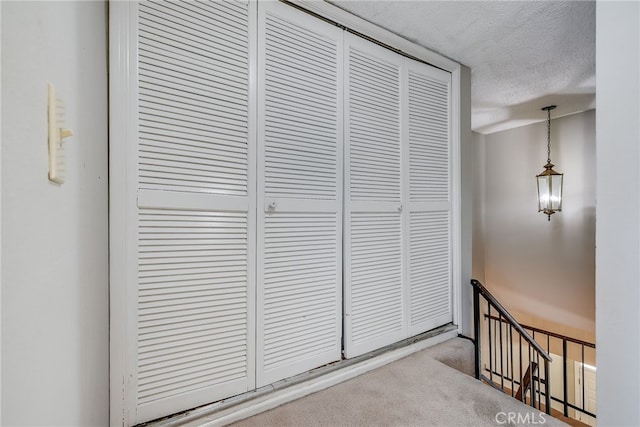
<point x="525" y="384"/>
<point x="505" y="314"/>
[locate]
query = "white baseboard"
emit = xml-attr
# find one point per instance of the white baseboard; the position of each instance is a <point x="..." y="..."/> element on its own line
<point x="207" y="416"/>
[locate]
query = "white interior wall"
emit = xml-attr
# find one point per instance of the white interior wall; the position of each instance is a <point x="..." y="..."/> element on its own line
<point x="544" y="272"/>
<point x="1" y="49"/>
<point x="466" y="203"/>
<point x="478" y="182"/>
<point x="54" y="245"/>
<point x="618" y="213"/>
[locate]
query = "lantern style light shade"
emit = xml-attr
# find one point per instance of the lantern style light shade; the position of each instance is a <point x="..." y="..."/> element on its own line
<point x="549" y="181"/>
<point x="549" y="191"/>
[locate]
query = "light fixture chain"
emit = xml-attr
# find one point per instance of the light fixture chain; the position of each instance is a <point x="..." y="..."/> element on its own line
<point x="549" y="136"/>
<point x="549" y="181"/>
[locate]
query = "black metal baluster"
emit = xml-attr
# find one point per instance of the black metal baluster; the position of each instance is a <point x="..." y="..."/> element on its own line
<point x="476" y="330"/>
<point x="548" y="344"/>
<point x="490" y="345"/>
<point x="539" y="381"/>
<point x="565" y="386"/>
<point x="547" y="386"/>
<point x="501" y="353"/>
<point x="532" y="401"/>
<point x="583" y="405"/>
<point x="520" y="374"/>
<point x="511" y="352"/>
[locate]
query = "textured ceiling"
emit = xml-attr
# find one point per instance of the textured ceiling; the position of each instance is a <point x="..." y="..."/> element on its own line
<point x="523" y="55"/>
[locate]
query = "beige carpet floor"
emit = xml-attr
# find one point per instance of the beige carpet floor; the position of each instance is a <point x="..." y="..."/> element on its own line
<point x="419" y="390"/>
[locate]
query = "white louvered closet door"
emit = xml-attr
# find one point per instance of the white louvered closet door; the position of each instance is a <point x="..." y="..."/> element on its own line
<point x="299" y="193"/>
<point x="195" y="151"/>
<point x="374" y="273"/>
<point x="427" y="137"/>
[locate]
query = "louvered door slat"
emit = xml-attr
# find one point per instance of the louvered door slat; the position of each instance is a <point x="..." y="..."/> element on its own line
<point x="366" y="77"/>
<point x="192" y="109"/>
<point x="299" y="229"/>
<point x="155" y="384"/>
<point x="195" y="315"/>
<point x="430" y="264"/>
<point x="376" y="280"/>
<point x="430" y="267"/>
<point x="229" y="16"/>
<point x="153" y="63"/>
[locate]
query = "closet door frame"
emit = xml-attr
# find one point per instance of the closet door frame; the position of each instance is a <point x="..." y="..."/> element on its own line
<point x="123" y="176"/>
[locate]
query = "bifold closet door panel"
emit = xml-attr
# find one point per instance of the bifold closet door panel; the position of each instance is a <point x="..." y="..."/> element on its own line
<point x="196" y="205"/>
<point x="374" y="279"/>
<point x="429" y="205"/>
<point x="299" y="193"/>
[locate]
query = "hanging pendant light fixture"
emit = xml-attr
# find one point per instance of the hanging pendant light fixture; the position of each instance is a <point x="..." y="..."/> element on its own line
<point x="549" y="181"/>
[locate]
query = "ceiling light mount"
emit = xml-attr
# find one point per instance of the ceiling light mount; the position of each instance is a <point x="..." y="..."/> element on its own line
<point x="549" y="181"/>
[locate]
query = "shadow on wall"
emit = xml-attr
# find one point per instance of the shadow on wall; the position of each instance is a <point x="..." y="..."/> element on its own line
<point x="530" y="112"/>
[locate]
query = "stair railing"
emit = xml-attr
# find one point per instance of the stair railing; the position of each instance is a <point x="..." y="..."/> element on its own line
<point x="529" y="372"/>
<point x="571" y="351"/>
